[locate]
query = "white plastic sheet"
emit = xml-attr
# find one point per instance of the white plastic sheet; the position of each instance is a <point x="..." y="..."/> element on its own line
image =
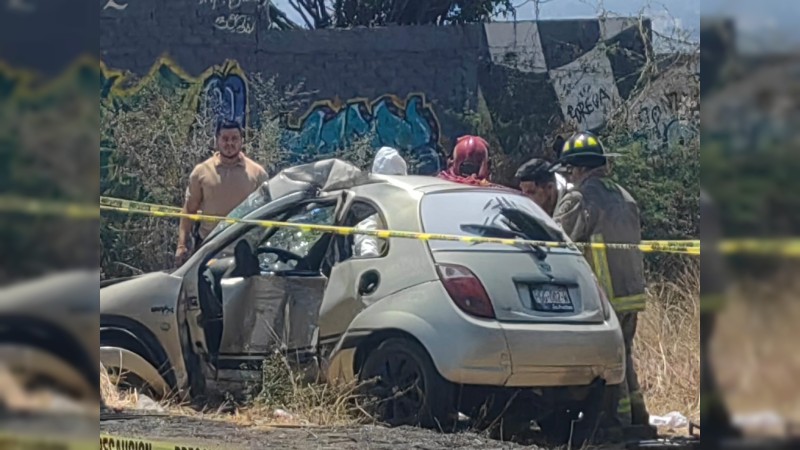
<point x="672" y="420"/>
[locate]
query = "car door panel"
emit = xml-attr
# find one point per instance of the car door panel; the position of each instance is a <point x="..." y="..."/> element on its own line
<point x="277" y="308"/>
<point x="202" y="333"/>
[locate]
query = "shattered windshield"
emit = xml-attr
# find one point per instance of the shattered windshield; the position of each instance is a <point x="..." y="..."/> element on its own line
<point x="326" y="175"/>
<point x="257" y="199"/>
<point x="489" y="214"/>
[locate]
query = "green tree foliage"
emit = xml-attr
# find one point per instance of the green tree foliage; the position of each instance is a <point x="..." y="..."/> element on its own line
<point x="48" y="152"/>
<point x="754" y="189"/>
<point x="666" y="187"/>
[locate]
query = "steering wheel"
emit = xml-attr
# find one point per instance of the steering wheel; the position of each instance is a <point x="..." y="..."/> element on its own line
<point x="284" y="256"/>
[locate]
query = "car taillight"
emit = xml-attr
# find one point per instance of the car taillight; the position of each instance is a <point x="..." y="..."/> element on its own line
<point x="466" y="290"/>
<point x="603" y="300"/>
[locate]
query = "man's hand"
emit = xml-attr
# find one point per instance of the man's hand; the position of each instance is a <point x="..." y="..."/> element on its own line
<point x="181" y="255"/>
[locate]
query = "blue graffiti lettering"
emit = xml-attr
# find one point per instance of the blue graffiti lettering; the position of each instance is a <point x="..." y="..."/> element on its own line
<point x="679" y="133"/>
<point x="224" y="96"/>
<point x="410" y="126"/>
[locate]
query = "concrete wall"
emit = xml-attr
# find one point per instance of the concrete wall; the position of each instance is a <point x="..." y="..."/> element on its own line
<point x="406" y="85"/>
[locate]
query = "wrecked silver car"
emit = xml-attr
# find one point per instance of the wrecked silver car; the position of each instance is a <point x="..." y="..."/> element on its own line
<point x="462" y="323"/>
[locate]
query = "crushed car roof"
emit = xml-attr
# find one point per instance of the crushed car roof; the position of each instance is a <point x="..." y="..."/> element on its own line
<point x="325" y="175"/>
<point x="334" y="174"/>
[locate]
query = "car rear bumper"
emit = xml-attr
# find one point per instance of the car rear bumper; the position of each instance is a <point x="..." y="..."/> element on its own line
<point x="536" y="357"/>
<point x="552" y="376"/>
<point x="546" y="355"/>
<point x="489" y="356"/>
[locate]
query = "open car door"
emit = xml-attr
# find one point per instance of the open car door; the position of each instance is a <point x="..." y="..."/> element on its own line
<point x="256" y="287"/>
<point x="272" y="291"/>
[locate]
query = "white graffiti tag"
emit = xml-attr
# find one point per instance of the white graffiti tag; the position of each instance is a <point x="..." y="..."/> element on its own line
<point x="112" y="4"/>
<point x="236" y="23"/>
<point x="232" y="4"/>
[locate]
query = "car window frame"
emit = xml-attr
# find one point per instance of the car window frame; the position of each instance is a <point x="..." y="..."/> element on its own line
<point x="364" y="200"/>
<point x="272" y="230"/>
<point x="323" y="202"/>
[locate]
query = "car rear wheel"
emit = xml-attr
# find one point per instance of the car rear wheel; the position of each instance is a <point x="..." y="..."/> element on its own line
<point x="402" y="386"/>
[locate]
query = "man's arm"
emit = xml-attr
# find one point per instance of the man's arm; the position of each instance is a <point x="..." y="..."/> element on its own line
<point x="263" y="177"/>
<point x="194" y="198"/>
<point x="574" y="216"/>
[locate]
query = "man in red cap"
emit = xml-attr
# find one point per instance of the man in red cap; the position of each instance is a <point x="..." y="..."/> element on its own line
<point x="469" y="163"/>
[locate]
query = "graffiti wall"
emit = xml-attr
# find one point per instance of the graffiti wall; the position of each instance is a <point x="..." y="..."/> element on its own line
<point x="221" y="92"/>
<point x="409" y="125"/>
<point x="666" y="113"/>
<point x="405" y="87"/>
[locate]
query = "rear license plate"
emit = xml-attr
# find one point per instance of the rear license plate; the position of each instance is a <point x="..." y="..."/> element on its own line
<point x="551" y="298"/>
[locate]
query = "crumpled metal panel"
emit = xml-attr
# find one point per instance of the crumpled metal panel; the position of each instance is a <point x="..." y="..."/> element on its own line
<point x="325" y="175"/>
<point x="274" y="312"/>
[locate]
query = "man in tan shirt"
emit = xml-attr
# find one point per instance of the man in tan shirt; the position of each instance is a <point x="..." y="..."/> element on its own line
<point x="218" y="184"/>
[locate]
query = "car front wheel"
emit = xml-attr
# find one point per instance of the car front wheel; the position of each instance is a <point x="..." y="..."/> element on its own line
<point x="402" y="387"/>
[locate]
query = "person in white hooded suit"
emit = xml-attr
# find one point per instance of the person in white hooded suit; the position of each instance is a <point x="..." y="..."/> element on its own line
<point x="387" y="162"/>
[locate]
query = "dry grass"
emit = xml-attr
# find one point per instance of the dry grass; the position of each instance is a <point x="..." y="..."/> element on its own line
<point x="667" y="346"/>
<point x="286" y="389"/>
<point x="285" y="398"/>
<point x="755" y="347"/>
<point x="16" y="397"/>
<point x="116" y="398"/>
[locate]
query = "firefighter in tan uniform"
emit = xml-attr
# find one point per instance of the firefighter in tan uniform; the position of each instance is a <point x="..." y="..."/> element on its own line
<point x="596" y="209"/>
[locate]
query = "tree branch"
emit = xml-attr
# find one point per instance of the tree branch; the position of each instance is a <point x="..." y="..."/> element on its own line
<point x="300" y="10"/>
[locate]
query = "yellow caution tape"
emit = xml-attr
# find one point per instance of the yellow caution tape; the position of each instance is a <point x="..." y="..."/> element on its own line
<point x="787" y="246"/>
<point x="38" y="207"/>
<point x="130" y="207"/>
<point x="20" y="441"/>
<point x="108" y="442"/>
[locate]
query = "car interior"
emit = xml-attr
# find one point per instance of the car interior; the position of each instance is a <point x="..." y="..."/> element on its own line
<point x="275" y="272"/>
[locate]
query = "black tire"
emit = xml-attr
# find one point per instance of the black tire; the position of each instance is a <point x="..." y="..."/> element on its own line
<point x="402" y="386"/>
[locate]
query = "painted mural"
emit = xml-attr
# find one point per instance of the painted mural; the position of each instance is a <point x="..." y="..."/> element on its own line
<point x="409" y="125"/>
<point x="18" y="85"/>
<point x="219" y="92"/>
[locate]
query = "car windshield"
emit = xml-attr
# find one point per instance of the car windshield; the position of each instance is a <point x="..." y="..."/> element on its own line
<point x="257" y="199"/>
<point x="486" y="213"/>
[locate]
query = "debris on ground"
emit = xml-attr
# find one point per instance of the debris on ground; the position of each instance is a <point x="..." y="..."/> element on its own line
<point x="145" y="403"/>
<point x="673" y="420"/>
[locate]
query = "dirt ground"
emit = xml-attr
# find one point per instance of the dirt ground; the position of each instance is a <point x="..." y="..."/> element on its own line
<point x="217" y="434"/>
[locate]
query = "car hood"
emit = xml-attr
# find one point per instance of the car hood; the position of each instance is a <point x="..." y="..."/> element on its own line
<point x="57" y="293"/>
<point x="110" y="281"/>
<point x="138" y="296"/>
